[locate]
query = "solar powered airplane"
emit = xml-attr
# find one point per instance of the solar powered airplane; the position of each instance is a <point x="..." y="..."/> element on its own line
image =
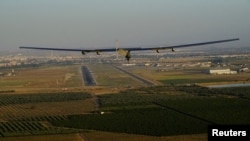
<point x="126" y="51"/>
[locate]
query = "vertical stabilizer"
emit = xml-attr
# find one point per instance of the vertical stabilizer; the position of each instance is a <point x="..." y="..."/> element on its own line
<point x="116" y="47"/>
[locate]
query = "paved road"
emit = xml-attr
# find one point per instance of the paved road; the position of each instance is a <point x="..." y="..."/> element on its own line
<point x="87" y="77"/>
<point x="83" y="137"/>
<point x="135" y="76"/>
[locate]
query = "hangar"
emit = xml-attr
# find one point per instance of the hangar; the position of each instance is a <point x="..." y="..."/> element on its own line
<point x="222" y="71"/>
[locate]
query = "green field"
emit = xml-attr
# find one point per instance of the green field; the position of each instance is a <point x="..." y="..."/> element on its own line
<point x="153" y="111"/>
<point x="119" y="107"/>
<point x="177" y="77"/>
<point x="162" y="114"/>
<point x="60" y="137"/>
<point x="30" y="114"/>
<point x="42" y="79"/>
<point x="107" y="75"/>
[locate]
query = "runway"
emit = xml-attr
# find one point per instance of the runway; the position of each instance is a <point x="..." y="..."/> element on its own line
<point x="87" y="77"/>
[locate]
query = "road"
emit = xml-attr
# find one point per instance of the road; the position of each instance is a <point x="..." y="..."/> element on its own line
<point x="87" y="77"/>
<point x="147" y="82"/>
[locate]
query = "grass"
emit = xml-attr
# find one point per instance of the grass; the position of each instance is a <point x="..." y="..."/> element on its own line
<point x="109" y="136"/>
<point x="218" y="110"/>
<point x="43" y="77"/>
<point x="105" y="136"/>
<point x="190" y="76"/>
<point x="150" y="121"/>
<point x="28" y="105"/>
<point x="46" y="109"/>
<point x="163" y="113"/>
<point x="106" y="75"/>
<point x="30" y="114"/>
<point x="61" y="137"/>
<point x="132" y="108"/>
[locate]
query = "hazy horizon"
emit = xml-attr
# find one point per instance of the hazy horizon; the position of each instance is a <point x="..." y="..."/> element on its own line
<point x="97" y="23"/>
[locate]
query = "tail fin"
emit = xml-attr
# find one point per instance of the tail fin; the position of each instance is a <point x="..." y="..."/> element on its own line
<point x="116" y="47"/>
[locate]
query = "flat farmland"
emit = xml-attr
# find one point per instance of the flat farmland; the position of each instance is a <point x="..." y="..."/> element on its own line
<point x="107" y="75"/>
<point x="163" y="111"/>
<point x="66" y="137"/>
<point x="31" y="114"/>
<point x="149" y="113"/>
<point x="43" y="79"/>
<point x="43" y="109"/>
<point x="108" y="136"/>
<point x="17" y="111"/>
<point x="197" y="76"/>
<point x="57" y="78"/>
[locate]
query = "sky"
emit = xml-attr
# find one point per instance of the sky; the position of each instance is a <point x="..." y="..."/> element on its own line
<point x="98" y="23"/>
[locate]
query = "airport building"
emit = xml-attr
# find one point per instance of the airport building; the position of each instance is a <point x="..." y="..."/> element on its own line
<point x="222" y="71"/>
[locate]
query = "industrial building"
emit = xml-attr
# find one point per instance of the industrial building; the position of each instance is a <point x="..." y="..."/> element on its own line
<point x="222" y="71"/>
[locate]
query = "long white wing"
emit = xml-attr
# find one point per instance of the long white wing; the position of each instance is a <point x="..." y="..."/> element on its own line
<point x="127" y="55"/>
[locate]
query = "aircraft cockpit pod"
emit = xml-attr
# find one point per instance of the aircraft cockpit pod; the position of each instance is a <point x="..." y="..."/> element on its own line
<point x="97" y="52"/>
<point x="128" y="56"/>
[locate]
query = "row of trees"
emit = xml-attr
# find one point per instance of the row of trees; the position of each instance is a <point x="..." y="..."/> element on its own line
<point x="147" y="121"/>
<point x="165" y="110"/>
<point x="34" y="98"/>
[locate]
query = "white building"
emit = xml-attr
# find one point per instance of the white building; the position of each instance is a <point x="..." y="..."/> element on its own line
<point x="244" y="70"/>
<point x="129" y="64"/>
<point x="222" y="71"/>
